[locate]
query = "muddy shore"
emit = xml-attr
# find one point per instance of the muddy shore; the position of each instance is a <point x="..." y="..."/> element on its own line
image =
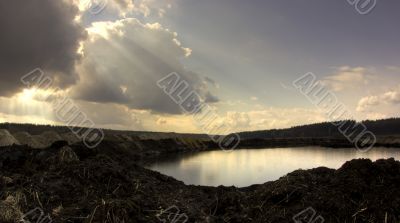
<point x="107" y="184"/>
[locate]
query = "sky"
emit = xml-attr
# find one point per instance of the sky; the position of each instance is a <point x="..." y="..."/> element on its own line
<point x="240" y="57"/>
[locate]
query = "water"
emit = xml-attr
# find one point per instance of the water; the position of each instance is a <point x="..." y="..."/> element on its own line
<point x="255" y="166"/>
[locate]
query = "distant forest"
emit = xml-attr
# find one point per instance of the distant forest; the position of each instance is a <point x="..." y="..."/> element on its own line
<point x="39" y="129"/>
<point x="326" y="130"/>
<point x="34" y="129"/>
<point x="320" y="130"/>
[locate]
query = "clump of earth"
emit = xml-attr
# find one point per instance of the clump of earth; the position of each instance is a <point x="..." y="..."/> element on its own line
<point x="44" y="140"/>
<point x="25" y="138"/>
<point x="47" y="138"/>
<point x="71" y="138"/>
<point x="6" y="139"/>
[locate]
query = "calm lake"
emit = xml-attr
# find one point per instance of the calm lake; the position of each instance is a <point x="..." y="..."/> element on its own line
<point x="255" y="166"/>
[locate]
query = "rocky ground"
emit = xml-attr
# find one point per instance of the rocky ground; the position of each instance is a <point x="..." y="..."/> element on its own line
<point x="76" y="184"/>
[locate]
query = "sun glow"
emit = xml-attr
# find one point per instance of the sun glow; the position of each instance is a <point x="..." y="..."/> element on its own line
<point x="28" y="95"/>
<point x="34" y="95"/>
<point x="29" y="105"/>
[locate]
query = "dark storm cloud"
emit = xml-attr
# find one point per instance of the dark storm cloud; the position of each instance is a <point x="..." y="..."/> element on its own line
<point x="37" y="34"/>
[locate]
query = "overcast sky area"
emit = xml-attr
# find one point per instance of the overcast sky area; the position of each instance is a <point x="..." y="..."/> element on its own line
<point x="240" y="57"/>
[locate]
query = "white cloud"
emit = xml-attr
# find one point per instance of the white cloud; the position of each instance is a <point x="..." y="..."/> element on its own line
<point x="253" y="98"/>
<point x="119" y="7"/>
<point x="388" y="98"/>
<point x="376" y="116"/>
<point x="393" y="69"/>
<point x="367" y="102"/>
<point x="238" y="120"/>
<point x="271" y="118"/>
<point x="346" y="78"/>
<point x="91" y="9"/>
<point x="123" y="61"/>
<point x="392" y="97"/>
<point x="266" y="118"/>
<point x="152" y="7"/>
<point x="111" y="114"/>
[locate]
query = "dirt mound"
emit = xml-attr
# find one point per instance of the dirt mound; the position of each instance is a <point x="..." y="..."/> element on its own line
<point x="47" y="138"/>
<point x="52" y="135"/>
<point x="25" y="138"/>
<point x="67" y="155"/>
<point x="6" y="139"/>
<point x="127" y="137"/>
<point x="71" y="138"/>
<point x="113" y="137"/>
<point x="105" y="185"/>
<point x="9" y="210"/>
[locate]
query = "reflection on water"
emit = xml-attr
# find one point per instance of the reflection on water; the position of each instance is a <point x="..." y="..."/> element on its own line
<point x="254" y="166"/>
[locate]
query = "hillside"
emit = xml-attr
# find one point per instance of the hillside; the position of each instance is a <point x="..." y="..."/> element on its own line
<point x="39" y="129"/>
<point x="385" y="127"/>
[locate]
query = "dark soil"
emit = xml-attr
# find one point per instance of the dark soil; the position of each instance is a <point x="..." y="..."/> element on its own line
<point x="76" y="184"/>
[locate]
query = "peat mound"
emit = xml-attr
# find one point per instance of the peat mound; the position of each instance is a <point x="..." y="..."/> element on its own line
<point x="24" y="138"/>
<point x="76" y="184"/>
<point x="6" y="139"/>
